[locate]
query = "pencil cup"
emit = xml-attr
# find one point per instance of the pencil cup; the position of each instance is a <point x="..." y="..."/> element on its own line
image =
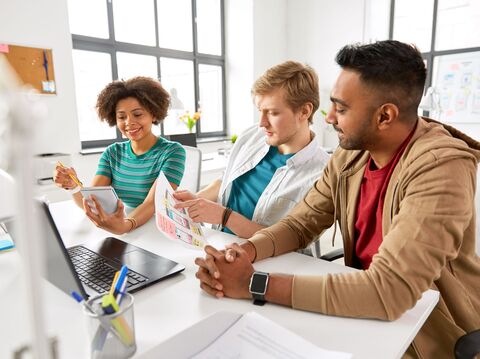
<point x="111" y="335"/>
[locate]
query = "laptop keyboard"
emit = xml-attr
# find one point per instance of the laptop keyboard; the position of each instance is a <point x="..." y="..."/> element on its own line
<point x="94" y="271"/>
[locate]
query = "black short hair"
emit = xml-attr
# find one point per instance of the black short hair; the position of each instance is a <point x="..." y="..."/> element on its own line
<point x="392" y="67"/>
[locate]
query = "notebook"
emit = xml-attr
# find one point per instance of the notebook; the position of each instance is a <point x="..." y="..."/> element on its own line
<point x="89" y="268"/>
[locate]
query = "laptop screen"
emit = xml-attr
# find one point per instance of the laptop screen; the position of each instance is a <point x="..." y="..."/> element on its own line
<point x="59" y="268"/>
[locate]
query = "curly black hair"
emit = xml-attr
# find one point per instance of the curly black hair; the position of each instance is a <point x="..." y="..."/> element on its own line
<point x="148" y="92"/>
<point x="392" y="67"/>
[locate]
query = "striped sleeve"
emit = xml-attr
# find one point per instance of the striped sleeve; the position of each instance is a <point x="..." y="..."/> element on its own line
<point x="174" y="165"/>
<point x="104" y="165"/>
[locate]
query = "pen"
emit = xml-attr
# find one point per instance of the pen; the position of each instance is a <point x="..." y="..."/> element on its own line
<point x="45" y="64"/>
<point x="122" y="291"/>
<point x="121" y="279"/>
<point x="114" y="282"/>
<point x="74" y="178"/>
<point x="115" y="290"/>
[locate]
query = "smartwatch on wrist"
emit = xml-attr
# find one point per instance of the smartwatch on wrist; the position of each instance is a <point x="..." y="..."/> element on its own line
<point x="258" y="287"/>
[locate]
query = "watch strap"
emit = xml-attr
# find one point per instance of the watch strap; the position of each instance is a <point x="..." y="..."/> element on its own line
<point x="259" y="302"/>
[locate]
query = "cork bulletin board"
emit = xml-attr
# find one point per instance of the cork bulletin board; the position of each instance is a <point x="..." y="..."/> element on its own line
<point x="33" y="65"/>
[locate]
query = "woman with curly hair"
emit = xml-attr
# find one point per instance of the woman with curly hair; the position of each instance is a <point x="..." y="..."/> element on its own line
<point x="130" y="167"/>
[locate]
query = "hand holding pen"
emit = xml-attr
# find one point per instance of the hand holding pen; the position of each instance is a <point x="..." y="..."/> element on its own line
<point x="65" y="177"/>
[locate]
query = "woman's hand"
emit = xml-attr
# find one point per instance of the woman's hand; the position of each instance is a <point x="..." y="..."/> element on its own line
<point x="61" y="177"/>
<point x="114" y="223"/>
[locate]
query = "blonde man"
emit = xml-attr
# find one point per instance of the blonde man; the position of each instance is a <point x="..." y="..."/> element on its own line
<point x="272" y="164"/>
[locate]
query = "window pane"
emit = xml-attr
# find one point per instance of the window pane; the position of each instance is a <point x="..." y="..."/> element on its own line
<point x="458" y="24"/>
<point x="93" y="71"/>
<point x="93" y="10"/>
<point x="209" y="27"/>
<point x="134" y="21"/>
<point x="211" y="94"/>
<point x="130" y="65"/>
<point x="456" y="80"/>
<point x="413" y="21"/>
<point x="177" y="78"/>
<point x="175" y="24"/>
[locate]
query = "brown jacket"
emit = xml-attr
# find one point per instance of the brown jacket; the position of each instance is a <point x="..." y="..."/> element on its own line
<point x="428" y="238"/>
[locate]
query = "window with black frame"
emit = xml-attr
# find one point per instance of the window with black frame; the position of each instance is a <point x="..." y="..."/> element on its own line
<point x="447" y="34"/>
<point x="179" y="42"/>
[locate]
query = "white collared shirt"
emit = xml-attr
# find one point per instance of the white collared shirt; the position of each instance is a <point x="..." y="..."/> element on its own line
<point x="289" y="184"/>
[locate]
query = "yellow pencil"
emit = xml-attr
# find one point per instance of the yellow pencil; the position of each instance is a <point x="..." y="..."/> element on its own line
<point x="75" y="179"/>
<point x="114" y="282"/>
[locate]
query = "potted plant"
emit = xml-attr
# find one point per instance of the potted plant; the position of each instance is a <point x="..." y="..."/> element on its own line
<point x="190" y="120"/>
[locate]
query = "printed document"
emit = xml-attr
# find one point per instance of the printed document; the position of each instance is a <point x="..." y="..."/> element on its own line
<point x="175" y="223"/>
<point x="254" y="336"/>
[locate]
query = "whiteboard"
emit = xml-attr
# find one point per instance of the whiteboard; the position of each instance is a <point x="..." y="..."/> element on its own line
<point x="457" y="80"/>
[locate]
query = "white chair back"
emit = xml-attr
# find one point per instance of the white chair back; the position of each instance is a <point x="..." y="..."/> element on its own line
<point x="193" y="167"/>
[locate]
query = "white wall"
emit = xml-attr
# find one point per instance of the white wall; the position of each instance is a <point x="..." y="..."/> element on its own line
<point x="317" y="30"/>
<point x="239" y="68"/>
<point x="256" y="39"/>
<point x="45" y="24"/>
<point x="270" y="34"/>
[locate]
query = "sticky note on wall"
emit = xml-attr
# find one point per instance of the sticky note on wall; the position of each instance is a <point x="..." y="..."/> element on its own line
<point x="4" y="48"/>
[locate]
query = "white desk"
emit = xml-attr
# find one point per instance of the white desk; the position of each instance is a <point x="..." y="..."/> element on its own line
<point x="170" y="306"/>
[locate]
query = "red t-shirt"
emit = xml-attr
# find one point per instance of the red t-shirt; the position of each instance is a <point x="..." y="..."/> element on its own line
<point x="368" y="223"/>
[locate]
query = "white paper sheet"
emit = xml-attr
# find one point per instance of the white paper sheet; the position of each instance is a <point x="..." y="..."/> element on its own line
<point x="254" y="336"/>
<point x="176" y="224"/>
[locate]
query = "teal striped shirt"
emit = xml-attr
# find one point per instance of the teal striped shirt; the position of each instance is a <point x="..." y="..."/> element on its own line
<point x="132" y="176"/>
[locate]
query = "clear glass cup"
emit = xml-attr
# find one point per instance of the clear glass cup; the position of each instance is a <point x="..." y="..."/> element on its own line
<point x="111" y="335"/>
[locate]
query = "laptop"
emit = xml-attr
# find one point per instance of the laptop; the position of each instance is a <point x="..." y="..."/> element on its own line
<point x="89" y="268"/>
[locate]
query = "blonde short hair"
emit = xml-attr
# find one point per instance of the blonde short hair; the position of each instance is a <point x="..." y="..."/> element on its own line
<point x="299" y="81"/>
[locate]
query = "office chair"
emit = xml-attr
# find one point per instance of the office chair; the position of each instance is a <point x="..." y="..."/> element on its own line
<point x="468" y="345"/>
<point x="193" y="167"/>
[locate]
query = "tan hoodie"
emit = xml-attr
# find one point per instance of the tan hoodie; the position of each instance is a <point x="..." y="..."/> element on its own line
<point x="428" y="238"/>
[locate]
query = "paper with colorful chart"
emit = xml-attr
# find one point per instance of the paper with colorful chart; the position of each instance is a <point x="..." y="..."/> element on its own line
<point x="175" y="223"/>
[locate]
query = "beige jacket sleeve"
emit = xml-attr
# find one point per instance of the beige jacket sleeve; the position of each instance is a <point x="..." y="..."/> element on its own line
<point x="435" y="210"/>
<point x="308" y="219"/>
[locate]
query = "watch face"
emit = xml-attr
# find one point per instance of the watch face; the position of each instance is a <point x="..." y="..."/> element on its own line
<point x="259" y="283"/>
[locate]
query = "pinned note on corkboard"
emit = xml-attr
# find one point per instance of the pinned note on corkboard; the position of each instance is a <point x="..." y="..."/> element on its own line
<point x="33" y="65"/>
